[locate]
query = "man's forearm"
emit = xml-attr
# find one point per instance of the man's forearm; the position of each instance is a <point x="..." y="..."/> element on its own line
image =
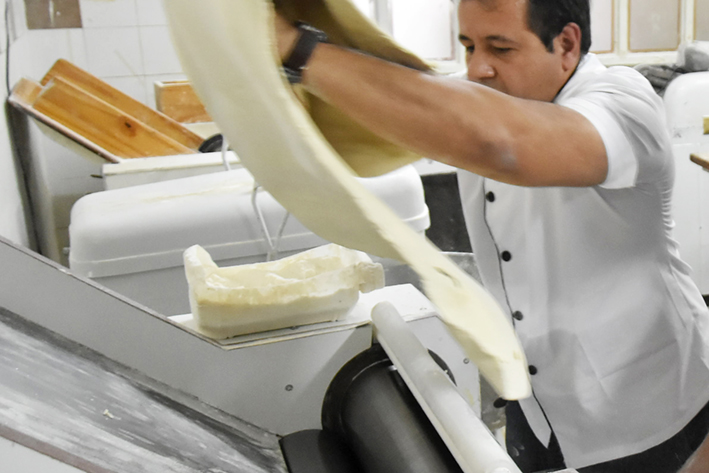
<point x="699" y="461"/>
<point x="417" y="110"/>
<point x="455" y="121"/>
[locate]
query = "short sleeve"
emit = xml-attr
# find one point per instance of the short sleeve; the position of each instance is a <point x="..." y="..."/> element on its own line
<point x="629" y="116"/>
<point x="622" y="162"/>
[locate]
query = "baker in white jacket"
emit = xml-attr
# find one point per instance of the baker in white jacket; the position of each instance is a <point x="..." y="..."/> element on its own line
<point x="566" y="177"/>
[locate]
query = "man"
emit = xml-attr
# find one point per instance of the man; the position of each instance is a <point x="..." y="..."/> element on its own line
<point x="566" y="176"/>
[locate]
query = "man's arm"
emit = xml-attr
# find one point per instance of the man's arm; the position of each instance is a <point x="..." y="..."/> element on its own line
<point x="699" y="461"/>
<point x="455" y="121"/>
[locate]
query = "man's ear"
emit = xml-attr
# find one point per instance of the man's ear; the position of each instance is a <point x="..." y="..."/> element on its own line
<point x="569" y="43"/>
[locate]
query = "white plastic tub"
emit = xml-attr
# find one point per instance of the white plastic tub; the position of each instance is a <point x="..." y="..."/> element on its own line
<point x="132" y="239"/>
<point x="140" y="171"/>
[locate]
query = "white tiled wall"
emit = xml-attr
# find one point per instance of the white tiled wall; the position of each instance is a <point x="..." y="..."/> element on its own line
<point x="124" y="42"/>
<point x="103" y="14"/>
<point x="150" y="13"/>
<point x="159" y="56"/>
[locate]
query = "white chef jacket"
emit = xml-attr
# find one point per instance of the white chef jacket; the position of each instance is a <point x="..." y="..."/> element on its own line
<point x="615" y="331"/>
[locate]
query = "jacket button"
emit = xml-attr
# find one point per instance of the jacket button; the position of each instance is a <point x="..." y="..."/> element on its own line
<point x="517" y="315"/>
<point x="533" y="370"/>
<point x="506" y="255"/>
<point x="499" y="403"/>
<point x="490" y="196"/>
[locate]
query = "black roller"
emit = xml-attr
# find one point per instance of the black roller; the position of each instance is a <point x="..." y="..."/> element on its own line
<point x="315" y="451"/>
<point x="370" y="408"/>
<point x="212" y="144"/>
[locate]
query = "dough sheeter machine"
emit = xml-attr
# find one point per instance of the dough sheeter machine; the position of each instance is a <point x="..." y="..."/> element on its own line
<point x="98" y="383"/>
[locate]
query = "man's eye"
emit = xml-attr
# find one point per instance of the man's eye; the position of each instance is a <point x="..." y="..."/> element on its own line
<point x="470" y="49"/>
<point x="502" y="50"/>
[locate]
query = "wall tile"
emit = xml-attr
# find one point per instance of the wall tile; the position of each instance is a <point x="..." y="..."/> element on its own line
<point x="113" y="52"/>
<point x="151" y="13"/>
<point x="78" y="48"/>
<point x="102" y="13"/>
<point x="20" y="61"/>
<point x="3" y="31"/>
<point x="602" y="25"/>
<point x="654" y="25"/>
<point x="17" y="18"/>
<point x="423" y="26"/>
<point x="701" y="21"/>
<point x="45" y="47"/>
<point x="159" y="56"/>
<point x="132" y="86"/>
<point x="39" y="49"/>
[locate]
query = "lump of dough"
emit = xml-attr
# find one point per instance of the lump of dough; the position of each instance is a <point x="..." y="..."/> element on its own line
<point x="313" y="286"/>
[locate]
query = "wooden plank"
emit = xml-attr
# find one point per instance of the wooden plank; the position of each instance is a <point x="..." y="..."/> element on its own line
<point x="701" y="159"/>
<point x="178" y="100"/>
<point x="100" y="89"/>
<point x="108" y="127"/>
<point x="26" y="92"/>
<point x="23" y="95"/>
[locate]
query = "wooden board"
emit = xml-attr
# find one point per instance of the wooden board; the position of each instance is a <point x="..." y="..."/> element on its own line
<point x="26" y="91"/>
<point x="701" y="159"/>
<point x="108" y="127"/>
<point x="66" y="401"/>
<point x="179" y="101"/>
<point x="101" y="90"/>
<point x="23" y="95"/>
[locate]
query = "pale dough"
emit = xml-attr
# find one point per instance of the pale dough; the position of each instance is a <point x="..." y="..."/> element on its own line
<point x="318" y="285"/>
<point x="227" y="50"/>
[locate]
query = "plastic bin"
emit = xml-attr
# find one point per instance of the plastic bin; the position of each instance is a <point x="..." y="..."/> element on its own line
<point x="132" y="239"/>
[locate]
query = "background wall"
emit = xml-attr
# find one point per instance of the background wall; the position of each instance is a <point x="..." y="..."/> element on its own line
<point x="13" y="219"/>
<point x="124" y="42"/>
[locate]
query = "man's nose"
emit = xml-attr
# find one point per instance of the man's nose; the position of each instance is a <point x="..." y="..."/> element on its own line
<point x="479" y="69"/>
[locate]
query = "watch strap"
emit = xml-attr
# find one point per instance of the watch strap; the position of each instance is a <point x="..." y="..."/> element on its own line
<point x="302" y="50"/>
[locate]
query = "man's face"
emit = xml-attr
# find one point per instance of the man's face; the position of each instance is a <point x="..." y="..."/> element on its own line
<point x="504" y="54"/>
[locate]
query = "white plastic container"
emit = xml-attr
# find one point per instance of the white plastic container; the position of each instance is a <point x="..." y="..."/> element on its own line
<point x="132" y="239"/>
<point x="139" y="171"/>
<point x="687" y="103"/>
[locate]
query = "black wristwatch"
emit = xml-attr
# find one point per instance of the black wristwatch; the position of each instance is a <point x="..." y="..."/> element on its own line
<point x="303" y="49"/>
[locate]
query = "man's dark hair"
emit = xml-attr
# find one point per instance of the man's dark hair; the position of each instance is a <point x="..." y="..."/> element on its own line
<point x="546" y="18"/>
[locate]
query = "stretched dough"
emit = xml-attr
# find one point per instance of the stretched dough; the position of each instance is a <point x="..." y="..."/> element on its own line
<point x="227" y="50"/>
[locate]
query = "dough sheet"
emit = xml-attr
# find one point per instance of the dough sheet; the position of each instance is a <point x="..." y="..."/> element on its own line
<point x="227" y="49"/>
